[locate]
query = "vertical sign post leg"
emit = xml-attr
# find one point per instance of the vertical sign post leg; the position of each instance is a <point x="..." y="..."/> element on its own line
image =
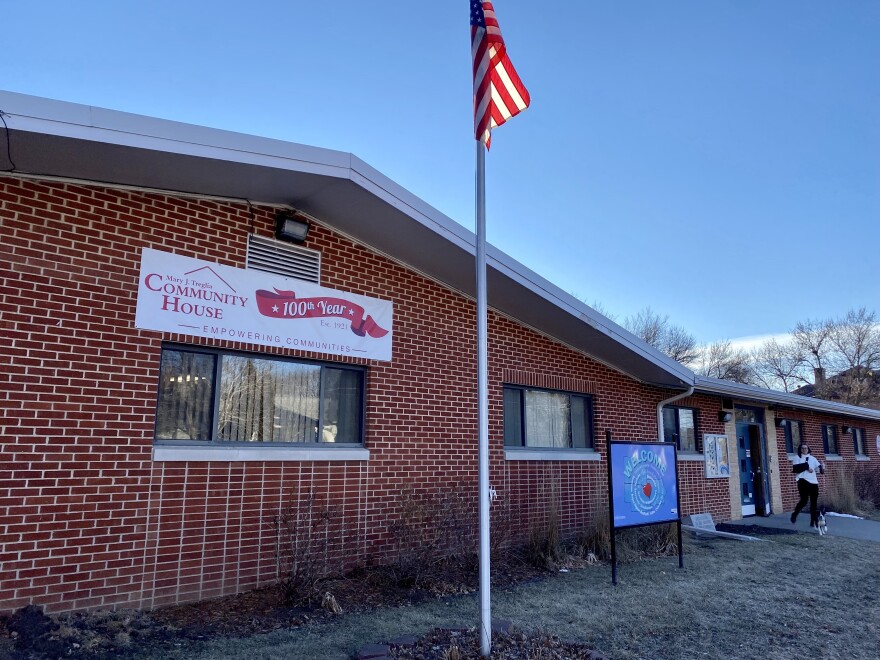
<point x="678" y="508"/>
<point x="611" y="511"/>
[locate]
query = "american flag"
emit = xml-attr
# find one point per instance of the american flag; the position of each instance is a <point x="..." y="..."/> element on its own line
<point x="498" y="92"/>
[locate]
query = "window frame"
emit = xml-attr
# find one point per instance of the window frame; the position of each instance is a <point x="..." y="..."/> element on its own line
<point x="217" y="375"/>
<point x="859" y="432"/>
<point x="589" y="426"/>
<point x="698" y="443"/>
<point x="826" y="445"/>
<point x="790" y="446"/>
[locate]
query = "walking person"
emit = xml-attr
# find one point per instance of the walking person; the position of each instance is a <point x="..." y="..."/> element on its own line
<point x="807" y="469"/>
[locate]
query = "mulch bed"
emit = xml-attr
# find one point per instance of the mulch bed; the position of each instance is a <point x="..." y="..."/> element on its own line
<point x="446" y="644"/>
<point x="754" y="530"/>
<point x="29" y="634"/>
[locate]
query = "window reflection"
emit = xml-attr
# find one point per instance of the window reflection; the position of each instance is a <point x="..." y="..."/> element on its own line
<point x="186" y="390"/>
<point x="258" y="399"/>
<point x="268" y="400"/>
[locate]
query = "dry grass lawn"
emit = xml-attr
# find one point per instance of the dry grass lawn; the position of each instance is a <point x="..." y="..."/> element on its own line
<point x="797" y="596"/>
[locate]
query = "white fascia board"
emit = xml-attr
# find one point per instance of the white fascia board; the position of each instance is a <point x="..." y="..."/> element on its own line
<point x="738" y="390"/>
<point x="71" y="120"/>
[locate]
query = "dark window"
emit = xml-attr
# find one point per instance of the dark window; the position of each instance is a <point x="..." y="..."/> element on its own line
<point x="680" y="427"/>
<point x="794" y="434"/>
<point x="859" y="441"/>
<point x="829" y="438"/>
<point x="547" y="418"/>
<point x="186" y="395"/>
<point x="216" y="396"/>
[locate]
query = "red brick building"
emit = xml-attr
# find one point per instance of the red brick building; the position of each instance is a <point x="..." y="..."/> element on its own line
<point x="120" y="486"/>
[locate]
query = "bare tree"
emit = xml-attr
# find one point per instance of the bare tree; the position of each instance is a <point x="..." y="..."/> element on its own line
<point x="722" y="360"/>
<point x="647" y="325"/>
<point x="681" y="345"/>
<point x="842" y="354"/>
<point x="855" y="340"/>
<point x="839" y="356"/>
<point x="780" y="365"/>
<point x="813" y="338"/>
<point x="673" y="340"/>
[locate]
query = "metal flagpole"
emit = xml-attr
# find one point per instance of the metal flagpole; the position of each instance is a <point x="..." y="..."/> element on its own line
<point x="483" y="407"/>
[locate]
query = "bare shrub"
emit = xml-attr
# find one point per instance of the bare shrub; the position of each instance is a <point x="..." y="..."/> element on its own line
<point x="328" y="602"/>
<point x="411" y="533"/>
<point x="840" y="494"/>
<point x="595" y="539"/>
<point x="456" y="522"/>
<point x="301" y="548"/>
<point x="652" y="541"/>
<point x="545" y="540"/>
<point x="453" y="653"/>
<point x="866" y="481"/>
<point x="633" y="543"/>
<point x="501" y="528"/>
<point x="854" y="490"/>
<point x="429" y="526"/>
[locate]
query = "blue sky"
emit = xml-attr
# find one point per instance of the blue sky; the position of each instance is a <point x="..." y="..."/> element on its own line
<point x="718" y="161"/>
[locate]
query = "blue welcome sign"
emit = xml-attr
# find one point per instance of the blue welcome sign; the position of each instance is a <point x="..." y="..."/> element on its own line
<point x="644" y="486"/>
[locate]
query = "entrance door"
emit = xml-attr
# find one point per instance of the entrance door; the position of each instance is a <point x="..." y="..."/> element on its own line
<point x="752" y="453"/>
<point x="746" y="479"/>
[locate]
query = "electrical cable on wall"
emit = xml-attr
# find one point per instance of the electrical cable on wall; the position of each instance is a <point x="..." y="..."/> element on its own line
<point x="12" y="167"/>
<point x="251" y="211"/>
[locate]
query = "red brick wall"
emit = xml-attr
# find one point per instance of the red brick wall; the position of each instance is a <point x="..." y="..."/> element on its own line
<point x="699" y="494"/>
<point x="87" y="519"/>
<point x="836" y="469"/>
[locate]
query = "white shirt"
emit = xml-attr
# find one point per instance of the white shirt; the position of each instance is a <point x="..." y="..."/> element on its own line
<point x="806" y="474"/>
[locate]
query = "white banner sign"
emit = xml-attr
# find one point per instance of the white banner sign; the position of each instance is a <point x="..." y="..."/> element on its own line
<point x="204" y="299"/>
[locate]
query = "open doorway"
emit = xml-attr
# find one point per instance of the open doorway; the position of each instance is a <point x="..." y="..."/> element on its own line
<point x="751" y="448"/>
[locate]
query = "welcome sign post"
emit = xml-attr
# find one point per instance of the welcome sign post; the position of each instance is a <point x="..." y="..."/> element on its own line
<point x="642" y="489"/>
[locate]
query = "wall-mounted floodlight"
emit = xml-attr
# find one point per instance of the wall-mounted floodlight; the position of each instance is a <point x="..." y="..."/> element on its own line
<point x="291" y="226"/>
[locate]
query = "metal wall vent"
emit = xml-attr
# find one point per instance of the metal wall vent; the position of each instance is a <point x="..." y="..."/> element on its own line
<point x="271" y="256"/>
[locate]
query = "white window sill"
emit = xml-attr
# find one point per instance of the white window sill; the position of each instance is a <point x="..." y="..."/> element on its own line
<point x="833" y="457"/>
<point x="791" y="457"/>
<point x="691" y="456"/>
<point x="860" y="457"/>
<point x="169" y="453"/>
<point x="551" y="455"/>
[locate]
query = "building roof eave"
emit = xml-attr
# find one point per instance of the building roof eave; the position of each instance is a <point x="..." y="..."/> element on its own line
<point x="787" y="399"/>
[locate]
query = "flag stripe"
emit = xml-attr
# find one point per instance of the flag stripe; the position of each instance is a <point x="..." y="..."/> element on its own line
<point x="507" y="90"/>
<point x="499" y="94"/>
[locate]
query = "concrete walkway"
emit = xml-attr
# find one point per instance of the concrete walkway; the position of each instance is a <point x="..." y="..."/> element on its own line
<point x="851" y="528"/>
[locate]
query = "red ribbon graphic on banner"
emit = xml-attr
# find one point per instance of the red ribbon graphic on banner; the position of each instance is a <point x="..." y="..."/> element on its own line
<point x="285" y="305"/>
